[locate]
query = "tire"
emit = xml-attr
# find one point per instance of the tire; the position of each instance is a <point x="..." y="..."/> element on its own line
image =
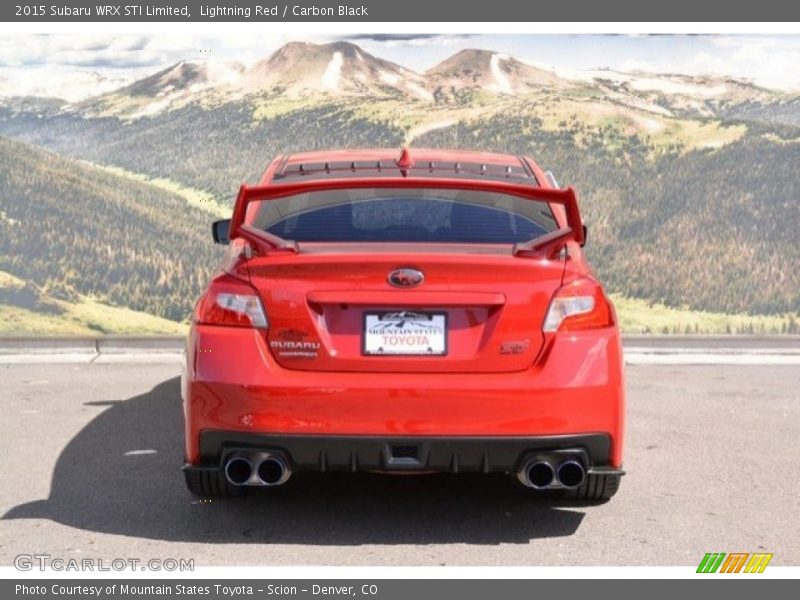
<point x="210" y="483"/>
<point x="597" y="487"/>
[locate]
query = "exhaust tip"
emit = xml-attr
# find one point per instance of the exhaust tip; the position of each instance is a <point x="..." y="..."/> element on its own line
<point x="273" y="471"/>
<point x="540" y="474"/>
<point x="238" y="470"/>
<point x="537" y="475"/>
<point x="571" y="473"/>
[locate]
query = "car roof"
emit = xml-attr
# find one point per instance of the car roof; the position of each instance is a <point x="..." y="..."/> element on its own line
<point x="388" y="162"/>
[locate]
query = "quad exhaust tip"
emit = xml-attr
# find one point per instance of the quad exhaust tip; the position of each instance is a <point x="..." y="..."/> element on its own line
<point x="259" y="469"/>
<point x="540" y="474"/>
<point x="571" y="473"/>
<point x="273" y="470"/>
<point x="238" y="470"/>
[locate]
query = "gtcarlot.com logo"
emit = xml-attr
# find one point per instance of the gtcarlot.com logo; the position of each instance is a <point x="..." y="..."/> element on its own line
<point x="735" y="562"/>
<point x="42" y="562"/>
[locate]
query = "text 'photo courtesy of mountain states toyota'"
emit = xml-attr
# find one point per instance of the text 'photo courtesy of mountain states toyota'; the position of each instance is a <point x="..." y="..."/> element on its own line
<point x="681" y="244"/>
<point x="406" y="312"/>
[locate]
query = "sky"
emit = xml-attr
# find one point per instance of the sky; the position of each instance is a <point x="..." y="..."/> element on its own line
<point x="36" y="61"/>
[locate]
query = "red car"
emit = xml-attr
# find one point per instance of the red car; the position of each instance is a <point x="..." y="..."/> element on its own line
<point x="404" y="311"/>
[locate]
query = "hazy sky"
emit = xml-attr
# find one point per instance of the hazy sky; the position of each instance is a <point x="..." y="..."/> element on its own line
<point x="768" y="60"/>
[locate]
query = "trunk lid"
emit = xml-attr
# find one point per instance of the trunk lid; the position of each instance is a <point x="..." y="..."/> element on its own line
<point x="331" y="307"/>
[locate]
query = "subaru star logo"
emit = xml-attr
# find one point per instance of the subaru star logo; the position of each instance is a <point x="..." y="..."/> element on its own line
<point x="405" y="278"/>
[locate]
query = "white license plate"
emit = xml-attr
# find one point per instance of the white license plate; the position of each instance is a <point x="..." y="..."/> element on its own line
<point x="405" y="332"/>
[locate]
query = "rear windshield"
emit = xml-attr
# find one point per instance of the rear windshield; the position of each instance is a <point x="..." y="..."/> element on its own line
<point x="404" y="215"/>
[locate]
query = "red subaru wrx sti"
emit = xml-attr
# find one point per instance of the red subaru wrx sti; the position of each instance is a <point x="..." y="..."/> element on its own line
<point x="413" y="311"/>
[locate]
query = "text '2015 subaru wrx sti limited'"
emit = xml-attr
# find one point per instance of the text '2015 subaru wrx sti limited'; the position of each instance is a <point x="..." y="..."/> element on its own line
<point x="404" y="311"/>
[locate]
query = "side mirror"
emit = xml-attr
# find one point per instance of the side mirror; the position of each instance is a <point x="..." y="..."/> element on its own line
<point x="219" y="231"/>
<point x="585" y="235"/>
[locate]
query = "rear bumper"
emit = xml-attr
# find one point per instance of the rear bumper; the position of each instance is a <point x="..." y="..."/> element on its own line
<point x="460" y="454"/>
<point x="236" y="394"/>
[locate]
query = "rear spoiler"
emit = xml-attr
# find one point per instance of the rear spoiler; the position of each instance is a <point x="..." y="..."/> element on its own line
<point x="573" y="229"/>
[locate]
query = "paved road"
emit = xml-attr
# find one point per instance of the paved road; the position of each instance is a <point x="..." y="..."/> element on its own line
<point x="711" y="455"/>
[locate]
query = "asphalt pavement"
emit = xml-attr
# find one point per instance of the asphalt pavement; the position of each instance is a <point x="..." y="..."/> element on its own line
<point x="91" y="457"/>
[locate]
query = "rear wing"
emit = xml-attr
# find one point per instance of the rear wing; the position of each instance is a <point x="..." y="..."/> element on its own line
<point x="572" y="229"/>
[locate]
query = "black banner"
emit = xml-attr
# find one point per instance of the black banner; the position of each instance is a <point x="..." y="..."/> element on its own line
<point x="384" y="589"/>
<point x="470" y="11"/>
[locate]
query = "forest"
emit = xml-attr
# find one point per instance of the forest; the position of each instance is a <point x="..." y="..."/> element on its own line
<point x="69" y="229"/>
<point x="712" y="229"/>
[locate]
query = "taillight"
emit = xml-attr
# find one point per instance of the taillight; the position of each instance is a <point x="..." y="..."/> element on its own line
<point x="580" y="304"/>
<point x="232" y="302"/>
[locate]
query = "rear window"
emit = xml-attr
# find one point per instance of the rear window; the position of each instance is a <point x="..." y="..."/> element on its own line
<point x="404" y="215"/>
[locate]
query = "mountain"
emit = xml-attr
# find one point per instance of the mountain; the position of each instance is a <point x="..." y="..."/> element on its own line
<point x="342" y="71"/>
<point x="168" y="89"/>
<point x="42" y="106"/>
<point x="74" y="233"/>
<point x="67" y="85"/>
<point x="296" y="70"/>
<point x="488" y="72"/>
<point x="337" y="69"/>
<point x="784" y="111"/>
<point x="187" y="76"/>
<point x="687" y="95"/>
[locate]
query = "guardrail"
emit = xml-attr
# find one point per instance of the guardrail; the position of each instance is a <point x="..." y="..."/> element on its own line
<point x="678" y="343"/>
<point x="112" y="344"/>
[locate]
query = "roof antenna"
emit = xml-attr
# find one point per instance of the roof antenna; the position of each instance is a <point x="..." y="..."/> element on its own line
<point x="405" y="162"/>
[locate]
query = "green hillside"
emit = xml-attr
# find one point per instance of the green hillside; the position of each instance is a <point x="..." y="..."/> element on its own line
<point x="212" y="150"/>
<point x="709" y="229"/>
<point x="784" y="112"/>
<point x="87" y="250"/>
<point x="80" y="234"/>
<point x="693" y="201"/>
<point x="25" y="310"/>
<point x="642" y="316"/>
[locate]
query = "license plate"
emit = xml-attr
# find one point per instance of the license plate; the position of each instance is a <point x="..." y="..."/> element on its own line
<point x="405" y="332"/>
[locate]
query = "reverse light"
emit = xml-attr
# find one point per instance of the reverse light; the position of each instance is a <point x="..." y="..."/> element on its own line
<point x="231" y="302"/>
<point x="580" y="304"/>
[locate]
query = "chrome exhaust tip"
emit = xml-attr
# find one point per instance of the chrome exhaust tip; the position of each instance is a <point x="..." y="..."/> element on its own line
<point x="536" y="474"/>
<point x="273" y="470"/>
<point x="238" y="470"/>
<point x="571" y="473"/>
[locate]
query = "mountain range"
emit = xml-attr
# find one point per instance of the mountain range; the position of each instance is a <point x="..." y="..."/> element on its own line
<point x="688" y="183"/>
<point x="343" y="69"/>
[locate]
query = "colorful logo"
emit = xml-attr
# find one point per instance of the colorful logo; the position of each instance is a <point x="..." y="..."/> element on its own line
<point x="735" y="562"/>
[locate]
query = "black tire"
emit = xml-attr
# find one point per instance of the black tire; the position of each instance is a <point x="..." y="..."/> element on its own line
<point x="598" y="487"/>
<point x="210" y="483"/>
